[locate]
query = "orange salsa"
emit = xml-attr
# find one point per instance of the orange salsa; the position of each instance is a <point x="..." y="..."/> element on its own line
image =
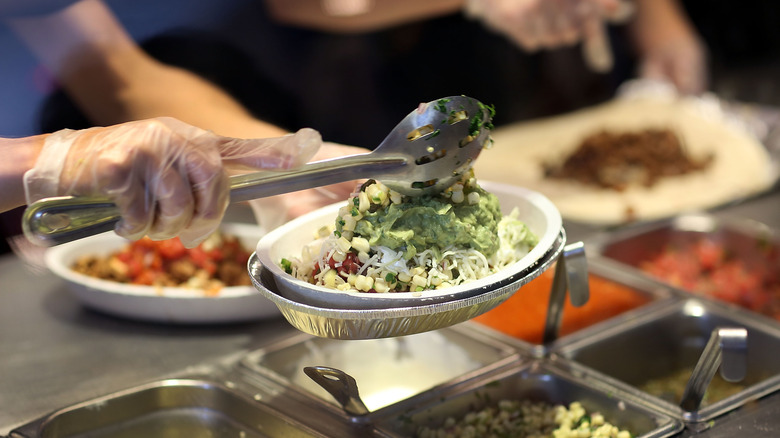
<point x="523" y="314"/>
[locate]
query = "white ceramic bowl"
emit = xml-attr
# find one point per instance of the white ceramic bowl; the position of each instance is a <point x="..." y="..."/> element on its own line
<point x="535" y="210"/>
<point x="167" y="305"/>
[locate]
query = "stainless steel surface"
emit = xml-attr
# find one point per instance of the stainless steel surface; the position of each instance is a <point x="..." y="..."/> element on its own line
<point x="425" y="153"/>
<point x="667" y="339"/>
<point x="54" y="352"/>
<point x="757" y="420"/>
<point x="538" y="381"/>
<point x="341" y="386"/>
<point x="726" y="349"/>
<point x="354" y="324"/>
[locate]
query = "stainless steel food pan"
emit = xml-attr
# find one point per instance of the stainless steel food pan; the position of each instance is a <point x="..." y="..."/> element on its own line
<point x="386" y="370"/>
<point x="539" y="380"/>
<point x="670" y="339"/>
<point x="168" y="408"/>
<point x="751" y="252"/>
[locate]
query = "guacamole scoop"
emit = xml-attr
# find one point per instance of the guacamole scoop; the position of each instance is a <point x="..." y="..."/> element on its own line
<point x="464" y="219"/>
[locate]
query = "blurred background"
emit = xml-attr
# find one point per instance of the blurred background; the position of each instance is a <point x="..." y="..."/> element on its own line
<point x="296" y="77"/>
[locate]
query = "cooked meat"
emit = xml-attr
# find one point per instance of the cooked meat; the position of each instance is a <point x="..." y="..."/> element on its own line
<point x="615" y="160"/>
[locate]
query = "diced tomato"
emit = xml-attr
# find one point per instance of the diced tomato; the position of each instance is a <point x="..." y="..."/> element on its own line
<point x="145" y="277"/>
<point x="706" y="267"/>
<point x="143" y="243"/>
<point x="171" y="249"/>
<point x="709" y="254"/>
<point x="148" y="261"/>
<point x="135" y="265"/>
<point x="156" y="262"/>
<point x="202" y="260"/>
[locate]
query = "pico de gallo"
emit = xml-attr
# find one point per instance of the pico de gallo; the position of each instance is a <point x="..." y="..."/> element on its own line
<point x="220" y="261"/>
<point x="707" y="267"/>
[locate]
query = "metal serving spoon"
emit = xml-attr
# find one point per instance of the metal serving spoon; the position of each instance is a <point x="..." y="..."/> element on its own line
<point x="726" y="350"/>
<point x="424" y="154"/>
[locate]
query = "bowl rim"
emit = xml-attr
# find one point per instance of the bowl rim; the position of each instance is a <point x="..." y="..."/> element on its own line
<point x="57" y="260"/>
<point x="546" y="242"/>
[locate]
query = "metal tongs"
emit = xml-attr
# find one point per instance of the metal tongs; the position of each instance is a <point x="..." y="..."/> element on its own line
<point x="425" y="153"/>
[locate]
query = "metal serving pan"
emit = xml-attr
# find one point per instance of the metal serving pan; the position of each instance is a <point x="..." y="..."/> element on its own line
<point x="387" y="370"/>
<point x="754" y="245"/>
<point x="613" y="293"/>
<point x="669" y="340"/>
<point x="538" y="380"/>
<point x="172" y="407"/>
<point x="384" y="323"/>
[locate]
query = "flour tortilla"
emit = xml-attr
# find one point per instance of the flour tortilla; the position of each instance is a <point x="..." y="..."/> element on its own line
<point x="741" y="165"/>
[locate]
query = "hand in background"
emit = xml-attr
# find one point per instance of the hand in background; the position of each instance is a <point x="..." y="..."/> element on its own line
<point x="549" y="24"/>
<point x="669" y="47"/>
<point x="168" y="178"/>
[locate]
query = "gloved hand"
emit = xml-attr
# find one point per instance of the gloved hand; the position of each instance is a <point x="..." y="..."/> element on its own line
<point x="273" y="211"/>
<point x="547" y="24"/>
<point x="168" y="178"/>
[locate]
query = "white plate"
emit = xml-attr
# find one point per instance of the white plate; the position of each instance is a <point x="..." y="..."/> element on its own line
<point x="167" y="305"/>
<point x="538" y="213"/>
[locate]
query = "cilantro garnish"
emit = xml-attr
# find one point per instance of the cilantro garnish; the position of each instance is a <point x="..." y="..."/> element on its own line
<point x="286" y="265"/>
<point x="441" y="105"/>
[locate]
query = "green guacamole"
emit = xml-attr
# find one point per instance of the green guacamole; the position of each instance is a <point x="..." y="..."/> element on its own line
<point x="434" y="222"/>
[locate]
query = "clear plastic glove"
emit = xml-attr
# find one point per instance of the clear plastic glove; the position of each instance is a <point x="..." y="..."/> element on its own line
<point x="274" y="211"/>
<point x="168" y="178"/>
<point x="548" y="24"/>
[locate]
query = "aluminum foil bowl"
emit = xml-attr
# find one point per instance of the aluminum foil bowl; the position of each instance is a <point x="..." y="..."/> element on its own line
<point x="535" y="210"/>
<point x="352" y="323"/>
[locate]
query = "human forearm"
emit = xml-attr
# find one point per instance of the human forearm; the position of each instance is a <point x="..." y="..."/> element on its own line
<point x="113" y="81"/>
<point x="669" y="46"/>
<point x="654" y="15"/>
<point x="19" y="155"/>
<point x="372" y="15"/>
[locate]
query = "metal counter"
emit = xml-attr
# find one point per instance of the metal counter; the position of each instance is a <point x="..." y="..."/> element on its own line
<point x="54" y="352"/>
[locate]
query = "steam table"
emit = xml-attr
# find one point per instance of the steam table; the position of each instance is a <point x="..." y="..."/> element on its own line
<point x="54" y="352"/>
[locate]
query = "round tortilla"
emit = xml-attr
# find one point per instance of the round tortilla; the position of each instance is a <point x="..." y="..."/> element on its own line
<point x="741" y="166"/>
